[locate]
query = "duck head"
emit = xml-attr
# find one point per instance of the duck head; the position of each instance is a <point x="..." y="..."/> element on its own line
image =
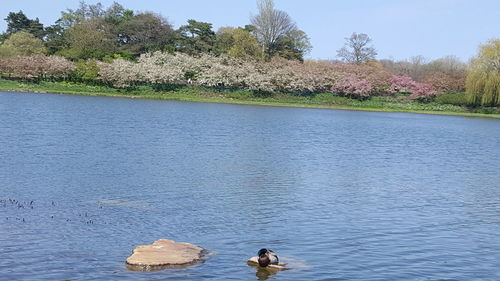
<point x="264" y="257"/>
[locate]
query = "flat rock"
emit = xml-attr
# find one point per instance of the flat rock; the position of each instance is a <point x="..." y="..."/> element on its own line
<point x="164" y="254"/>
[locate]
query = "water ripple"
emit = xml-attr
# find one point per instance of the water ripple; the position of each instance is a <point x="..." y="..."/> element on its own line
<point x="339" y="195"/>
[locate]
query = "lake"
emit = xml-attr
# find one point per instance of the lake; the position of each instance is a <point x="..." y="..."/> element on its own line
<point x="339" y="195"/>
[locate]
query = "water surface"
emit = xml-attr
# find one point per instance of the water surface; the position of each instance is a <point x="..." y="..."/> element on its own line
<point x="340" y="195"/>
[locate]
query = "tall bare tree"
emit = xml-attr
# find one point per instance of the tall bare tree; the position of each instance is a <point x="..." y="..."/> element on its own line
<point x="356" y="49"/>
<point x="270" y="25"/>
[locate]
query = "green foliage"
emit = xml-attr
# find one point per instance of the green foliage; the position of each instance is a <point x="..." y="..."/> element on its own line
<point x="54" y="39"/>
<point x="483" y="79"/>
<point x="94" y="31"/>
<point x="245" y="45"/>
<point x="17" y="22"/>
<point x="117" y="14"/>
<point x="126" y="55"/>
<point x="86" y="70"/>
<point x="3" y="37"/>
<point x="239" y="94"/>
<point x="145" y="32"/>
<point x="22" y="43"/>
<point x="264" y="94"/>
<point x="224" y="40"/>
<point x="237" y="42"/>
<point x="89" y="39"/>
<point x="486" y="110"/>
<point x="196" y="37"/>
<point x="250" y="28"/>
<point x="328" y="98"/>
<point x="452" y="98"/>
<point x="7" y="52"/>
<point x="190" y="74"/>
<point x="162" y="87"/>
<point x="294" y="45"/>
<point x="91" y="31"/>
<point x="71" y="17"/>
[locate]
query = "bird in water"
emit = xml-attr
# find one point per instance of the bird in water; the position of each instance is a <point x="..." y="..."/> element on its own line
<point x="267" y="257"/>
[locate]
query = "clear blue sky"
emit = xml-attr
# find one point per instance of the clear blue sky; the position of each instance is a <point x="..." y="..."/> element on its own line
<point x="399" y="28"/>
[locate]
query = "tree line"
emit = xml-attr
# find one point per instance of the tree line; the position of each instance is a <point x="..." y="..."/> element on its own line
<point x="93" y="31"/>
<point x="93" y="43"/>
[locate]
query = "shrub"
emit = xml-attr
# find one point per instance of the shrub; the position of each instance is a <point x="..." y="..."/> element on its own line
<point x="22" y="43"/>
<point x="452" y="98"/>
<point x="86" y="70"/>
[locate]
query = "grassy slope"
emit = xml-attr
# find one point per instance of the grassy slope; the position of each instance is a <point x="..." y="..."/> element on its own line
<point x="388" y="104"/>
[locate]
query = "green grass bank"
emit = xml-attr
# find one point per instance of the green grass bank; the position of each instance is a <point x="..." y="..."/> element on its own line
<point x="200" y="94"/>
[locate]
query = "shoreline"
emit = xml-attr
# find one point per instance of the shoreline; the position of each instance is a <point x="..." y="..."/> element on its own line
<point x="112" y="92"/>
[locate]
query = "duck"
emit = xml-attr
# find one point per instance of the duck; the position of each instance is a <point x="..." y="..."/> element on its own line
<point x="267" y="257"/>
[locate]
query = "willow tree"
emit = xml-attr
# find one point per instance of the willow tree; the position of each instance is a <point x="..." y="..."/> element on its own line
<point x="483" y="79"/>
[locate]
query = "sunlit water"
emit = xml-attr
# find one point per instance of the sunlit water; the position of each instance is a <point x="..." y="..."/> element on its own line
<point x="340" y="195"/>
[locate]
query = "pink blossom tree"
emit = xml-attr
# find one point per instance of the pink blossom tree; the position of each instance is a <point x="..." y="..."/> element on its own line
<point x="353" y="87"/>
<point x="417" y="90"/>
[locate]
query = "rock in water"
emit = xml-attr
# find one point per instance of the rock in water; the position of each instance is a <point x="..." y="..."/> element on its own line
<point x="164" y="254"/>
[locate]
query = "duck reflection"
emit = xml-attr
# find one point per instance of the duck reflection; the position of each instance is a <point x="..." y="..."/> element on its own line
<point x="263" y="273"/>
